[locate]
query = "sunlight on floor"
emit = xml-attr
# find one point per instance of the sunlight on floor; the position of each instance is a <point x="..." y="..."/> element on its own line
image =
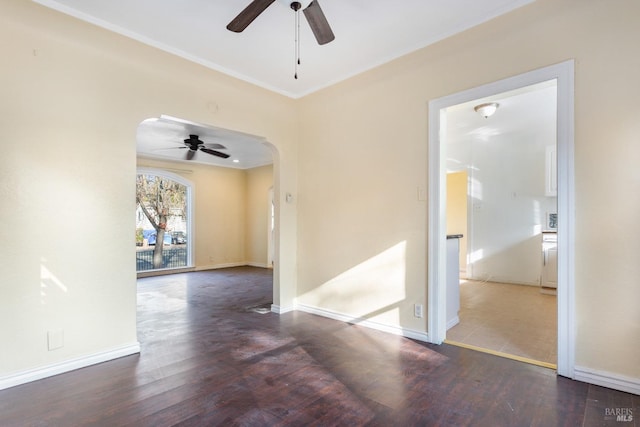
<point x="506" y="318"/>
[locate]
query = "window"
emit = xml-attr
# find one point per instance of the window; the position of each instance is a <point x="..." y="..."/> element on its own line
<point x="163" y="220"/>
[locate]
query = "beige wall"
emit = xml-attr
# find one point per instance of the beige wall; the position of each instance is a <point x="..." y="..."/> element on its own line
<point x="72" y="98"/>
<point x="231" y="212"/>
<point x="364" y="152"/>
<point x="457" y="212"/>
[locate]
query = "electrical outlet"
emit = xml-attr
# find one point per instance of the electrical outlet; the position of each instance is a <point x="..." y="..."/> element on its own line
<point x="418" y="310"/>
<point x="55" y="339"/>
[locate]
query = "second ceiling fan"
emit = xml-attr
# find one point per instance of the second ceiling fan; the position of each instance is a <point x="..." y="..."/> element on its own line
<point x="314" y="14"/>
<point x="194" y="144"/>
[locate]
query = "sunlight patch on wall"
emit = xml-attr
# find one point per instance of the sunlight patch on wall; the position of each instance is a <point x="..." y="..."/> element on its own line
<point x="48" y="283"/>
<point x="538" y="217"/>
<point x="372" y="288"/>
<point x="476" y="256"/>
<point x="475" y="189"/>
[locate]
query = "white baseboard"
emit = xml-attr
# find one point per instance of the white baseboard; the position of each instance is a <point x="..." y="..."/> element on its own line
<point x="163" y="272"/>
<point x="218" y="266"/>
<point x="607" y="379"/>
<point x="258" y="264"/>
<point x="505" y="280"/>
<point x="281" y="310"/>
<point x="453" y="322"/>
<point x="391" y="329"/>
<point x="67" y="366"/>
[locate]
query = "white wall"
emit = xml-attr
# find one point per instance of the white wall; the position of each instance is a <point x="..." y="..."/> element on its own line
<point x="504" y="156"/>
<point x="507" y="210"/>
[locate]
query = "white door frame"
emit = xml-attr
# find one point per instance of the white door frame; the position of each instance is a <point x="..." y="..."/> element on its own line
<point x="563" y="73"/>
<point x="271" y="228"/>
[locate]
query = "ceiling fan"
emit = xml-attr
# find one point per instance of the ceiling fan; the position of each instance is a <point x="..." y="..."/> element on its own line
<point x="194" y="144"/>
<point x="314" y="14"/>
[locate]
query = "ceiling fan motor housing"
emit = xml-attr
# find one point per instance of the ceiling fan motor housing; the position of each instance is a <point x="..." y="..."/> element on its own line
<point x="297" y="5"/>
<point x="193" y="142"/>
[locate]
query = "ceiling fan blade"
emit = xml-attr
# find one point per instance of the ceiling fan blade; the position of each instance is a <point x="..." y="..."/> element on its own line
<point x="215" y="153"/>
<point x="246" y="17"/>
<point x="318" y="23"/>
<point x="215" y="146"/>
<point x="190" y="154"/>
<point x="168" y="148"/>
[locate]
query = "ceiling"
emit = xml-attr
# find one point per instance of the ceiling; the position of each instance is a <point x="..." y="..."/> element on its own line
<point x="163" y="138"/>
<point x="368" y="33"/>
<point x="521" y="115"/>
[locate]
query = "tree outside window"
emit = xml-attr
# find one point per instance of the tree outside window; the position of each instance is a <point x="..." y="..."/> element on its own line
<point x="161" y="220"/>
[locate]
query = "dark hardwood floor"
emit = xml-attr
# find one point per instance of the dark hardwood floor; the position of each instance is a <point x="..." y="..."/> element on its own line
<point x="209" y="358"/>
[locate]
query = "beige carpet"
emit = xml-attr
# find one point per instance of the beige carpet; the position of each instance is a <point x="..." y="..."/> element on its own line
<point x="512" y="319"/>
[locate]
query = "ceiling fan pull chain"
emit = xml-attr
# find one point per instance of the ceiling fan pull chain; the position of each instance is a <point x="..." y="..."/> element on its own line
<point x="296" y="7"/>
<point x="312" y="12"/>
<point x="295" y="47"/>
<point x="297" y="35"/>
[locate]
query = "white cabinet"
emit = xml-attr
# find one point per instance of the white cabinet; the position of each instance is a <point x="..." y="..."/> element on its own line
<point x="551" y="171"/>
<point x="549" y="261"/>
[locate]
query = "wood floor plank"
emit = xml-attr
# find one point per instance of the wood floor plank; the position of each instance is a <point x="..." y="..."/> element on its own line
<point x="207" y="359"/>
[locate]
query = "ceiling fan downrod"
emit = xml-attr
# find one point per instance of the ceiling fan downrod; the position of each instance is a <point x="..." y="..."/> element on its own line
<point x="296" y="6"/>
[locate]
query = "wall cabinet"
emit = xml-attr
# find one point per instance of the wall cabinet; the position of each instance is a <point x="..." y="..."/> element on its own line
<point x="551" y="171"/>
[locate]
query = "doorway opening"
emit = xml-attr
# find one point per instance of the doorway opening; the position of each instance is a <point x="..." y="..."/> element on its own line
<point x="230" y="175"/>
<point x="498" y="202"/>
<point x="478" y="261"/>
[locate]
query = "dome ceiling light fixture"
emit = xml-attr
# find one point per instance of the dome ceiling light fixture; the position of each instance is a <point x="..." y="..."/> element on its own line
<point x="487" y="109"/>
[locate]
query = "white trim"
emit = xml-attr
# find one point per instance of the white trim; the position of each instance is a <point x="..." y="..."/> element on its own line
<point x="163" y="272"/>
<point x="219" y="266"/>
<point x="563" y="73"/>
<point x="232" y="264"/>
<point x="258" y="264"/>
<point x="281" y="310"/>
<point x="607" y="379"/>
<point x="271" y="229"/>
<point x="437" y="243"/>
<point x="67" y="366"/>
<point x="191" y="202"/>
<point x="453" y="322"/>
<point x="360" y="321"/>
